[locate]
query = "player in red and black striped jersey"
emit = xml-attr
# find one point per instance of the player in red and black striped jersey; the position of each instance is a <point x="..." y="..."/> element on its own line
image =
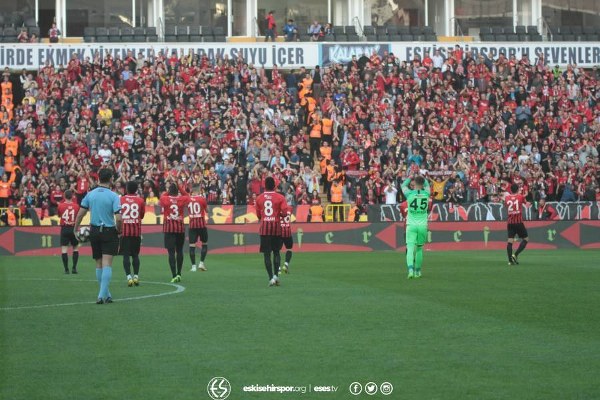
<point x="515" y="226"/>
<point x="173" y="205"/>
<point x="68" y="209"/>
<point x="133" y="209"/>
<point x="270" y="209"/>
<point x="286" y="240"/>
<point x="197" y="208"/>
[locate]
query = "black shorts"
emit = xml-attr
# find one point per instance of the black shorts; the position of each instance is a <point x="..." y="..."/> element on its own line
<point x="104" y="241"/>
<point x="288" y="242"/>
<point x="517" y="230"/>
<point x="67" y="236"/>
<point x="130" y="245"/>
<point x="198" y="233"/>
<point x="270" y="243"/>
<point x="174" y="240"/>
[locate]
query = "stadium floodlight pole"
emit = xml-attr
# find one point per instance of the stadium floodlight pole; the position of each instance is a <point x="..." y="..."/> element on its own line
<point x="133" y="13"/>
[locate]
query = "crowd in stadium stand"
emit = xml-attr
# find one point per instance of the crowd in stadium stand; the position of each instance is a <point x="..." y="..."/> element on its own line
<point x="475" y="123"/>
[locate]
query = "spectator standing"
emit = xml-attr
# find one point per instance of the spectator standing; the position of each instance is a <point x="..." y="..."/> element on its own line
<point x="23" y="37"/>
<point x="271" y="26"/>
<point x="390" y="193"/>
<point x="53" y="33"/>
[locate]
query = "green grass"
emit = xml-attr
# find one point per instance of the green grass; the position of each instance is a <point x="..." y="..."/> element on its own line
<point x="471" y="328"/>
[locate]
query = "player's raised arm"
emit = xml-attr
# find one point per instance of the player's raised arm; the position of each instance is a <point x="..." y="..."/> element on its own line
<point x="426" y="185"/>
<point x="406" y="186"/>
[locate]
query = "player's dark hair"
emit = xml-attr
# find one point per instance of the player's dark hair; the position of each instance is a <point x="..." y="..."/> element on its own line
<point x="105" y="175"/>
<point x="419" y="180"/>
<point x="195" y="187"/>
<point x="173" y="190"/>
<point x="269" y="183"/>
<point x="514" y="188"/>
<point x="68" y="194"/>
<point x="132" y="187"/>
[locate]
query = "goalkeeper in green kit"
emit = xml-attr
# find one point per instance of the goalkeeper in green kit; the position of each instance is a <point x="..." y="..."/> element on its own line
<point x="417" y="201"/>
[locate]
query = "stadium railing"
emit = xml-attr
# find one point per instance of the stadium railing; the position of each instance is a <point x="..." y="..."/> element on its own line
<point x="338" y="209"/>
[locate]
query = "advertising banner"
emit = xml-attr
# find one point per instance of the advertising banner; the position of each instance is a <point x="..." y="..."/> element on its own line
<point x="33" y="56"/>
<point x="308" y="237"/>
<point x="584" y="54"/>
<point x="441" y="212"/>
<point x="295" y="55"/>
<point x="343" y="52"/>
<point x="446" y="212"/>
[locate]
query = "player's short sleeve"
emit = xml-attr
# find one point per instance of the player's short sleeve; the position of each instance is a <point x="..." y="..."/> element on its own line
<point x="116" y="204"/>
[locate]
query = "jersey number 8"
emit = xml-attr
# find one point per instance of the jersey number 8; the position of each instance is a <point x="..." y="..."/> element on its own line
<point x="268" y="208"/>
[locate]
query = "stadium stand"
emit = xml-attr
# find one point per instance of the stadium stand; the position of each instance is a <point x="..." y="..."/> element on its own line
<point x="349" y="33"/>
<point x="476" y="123"/>
<point x="520" y="33"/>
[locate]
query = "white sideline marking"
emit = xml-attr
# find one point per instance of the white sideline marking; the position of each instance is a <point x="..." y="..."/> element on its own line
<point x="178" y="289"/>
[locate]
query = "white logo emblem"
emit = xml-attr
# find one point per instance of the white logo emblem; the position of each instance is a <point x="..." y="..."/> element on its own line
<point x="371" y="388"/>
<point x="355" y="388"/>
<point x="218" y="388"/>
<point x="386" y="388"/>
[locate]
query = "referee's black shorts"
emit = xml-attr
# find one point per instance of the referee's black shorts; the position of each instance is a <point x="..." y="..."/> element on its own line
<point x="517" y="230"/>
<point x="104" y="241"/>
<point x="67" y="236"/>
<point x="130" y="245"/>
<point x="269" y="243"/>
<point x="174" y="240"/>
<point x="198" y="233"/>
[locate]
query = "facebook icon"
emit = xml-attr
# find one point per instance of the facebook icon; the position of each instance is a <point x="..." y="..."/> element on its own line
<point x="355" y="388"/>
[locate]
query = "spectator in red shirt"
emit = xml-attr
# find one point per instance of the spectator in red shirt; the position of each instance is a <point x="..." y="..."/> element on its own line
<point x="270" y="26"/>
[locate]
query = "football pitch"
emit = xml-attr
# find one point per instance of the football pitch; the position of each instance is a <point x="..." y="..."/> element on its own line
<point x="471" y="328"/>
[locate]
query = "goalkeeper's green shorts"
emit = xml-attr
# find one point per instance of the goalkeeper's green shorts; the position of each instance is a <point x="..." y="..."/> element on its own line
<point x="416" y="235"/>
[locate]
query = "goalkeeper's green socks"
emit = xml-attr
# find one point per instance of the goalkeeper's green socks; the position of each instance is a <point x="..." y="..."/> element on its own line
<point x="410" y="257"/>
<point x="418" y="261"/>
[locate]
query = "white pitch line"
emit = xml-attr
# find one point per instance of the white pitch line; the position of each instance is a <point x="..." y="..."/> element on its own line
<point x="178" y="289"/>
